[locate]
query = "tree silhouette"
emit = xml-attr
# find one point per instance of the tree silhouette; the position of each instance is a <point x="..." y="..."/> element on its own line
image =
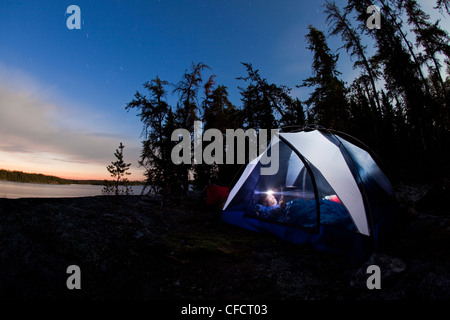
<point x="187" y="89"/>
<point x="153" y="111"/>
<point x="328" y="100"/>
<point x="118" y="170"/>
<point x="257" y="109"/>
<point x="443" y="4"/>
<point x="434" y="41"/>
<point x="341" y="25"/>
<point x="219" y="114"/>
<point x="402" y="72"/>
<point x="267" y="105"/>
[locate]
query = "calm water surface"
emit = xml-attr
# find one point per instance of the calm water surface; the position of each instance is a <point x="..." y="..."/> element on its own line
<point x="16" y="190"/>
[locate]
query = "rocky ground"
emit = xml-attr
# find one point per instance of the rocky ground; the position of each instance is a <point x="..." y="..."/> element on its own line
<point x="138" y="248"/>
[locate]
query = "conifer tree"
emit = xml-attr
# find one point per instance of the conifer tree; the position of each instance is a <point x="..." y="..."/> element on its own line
<point x="341" y="25"/>
<point x="328" y="101"/>
<point x="187" y="89"/>
<point x="267" y="105"/>
<point x="443" y="4"/>
<point x="118" y="170"/>
<point x="401" y="69"/>
<point x="434" y="40"/>
<point x="218" y="114"/>
<point x="153" y="111"/>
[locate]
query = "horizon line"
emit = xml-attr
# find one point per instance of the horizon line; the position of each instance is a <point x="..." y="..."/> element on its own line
<point x="58" y="177"/>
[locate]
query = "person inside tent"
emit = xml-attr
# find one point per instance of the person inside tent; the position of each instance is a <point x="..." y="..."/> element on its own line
<point x="270" y="208"/>
<point x="303" y="212"/>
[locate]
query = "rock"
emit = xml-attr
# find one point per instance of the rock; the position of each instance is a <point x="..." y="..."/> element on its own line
<point x="408" y="194"/>
<point x="132" y="248"/>
<point x="436" y="286"/>
<point x="435" y="201"/>
<point x="389" y="266"/>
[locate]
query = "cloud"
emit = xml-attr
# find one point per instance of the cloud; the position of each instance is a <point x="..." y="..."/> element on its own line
<point x="34" y="127"/>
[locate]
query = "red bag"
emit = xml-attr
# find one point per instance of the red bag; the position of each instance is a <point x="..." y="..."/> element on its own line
<point x="216" y="194"/>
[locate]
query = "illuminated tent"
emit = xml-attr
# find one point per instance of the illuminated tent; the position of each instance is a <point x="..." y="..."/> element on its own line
<point x="328" y="193"/>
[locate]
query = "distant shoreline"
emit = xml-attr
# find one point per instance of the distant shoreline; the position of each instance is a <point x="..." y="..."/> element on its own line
<point x="39" y="178"/>
<point x="17" y="190"/>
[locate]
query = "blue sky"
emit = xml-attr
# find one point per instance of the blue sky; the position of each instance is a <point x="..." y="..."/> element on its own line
<point x="63" y="92"/>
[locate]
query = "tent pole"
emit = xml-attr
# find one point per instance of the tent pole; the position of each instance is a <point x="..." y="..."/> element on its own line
<point x="313" y="179"/>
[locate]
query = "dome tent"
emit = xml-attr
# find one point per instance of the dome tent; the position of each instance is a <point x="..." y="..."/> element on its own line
<point x="327" y="192"/>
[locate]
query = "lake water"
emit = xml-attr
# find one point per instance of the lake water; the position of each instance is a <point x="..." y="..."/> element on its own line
<point x="16" y="190"/>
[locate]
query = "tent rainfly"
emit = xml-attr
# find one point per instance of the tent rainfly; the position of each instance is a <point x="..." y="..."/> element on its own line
<point x="327" y="192"/>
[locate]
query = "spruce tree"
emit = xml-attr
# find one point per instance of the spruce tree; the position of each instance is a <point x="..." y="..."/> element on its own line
<point x="328" y="102"/>
<point x="118" y="170"/>
<point x="341" y="25"/>
<point x="220" y="114"/>
<point x="267" y="105"/>
<point x="443" y="4"/>
<point x="434" y="40"/>
<point x="153" y="112"/>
